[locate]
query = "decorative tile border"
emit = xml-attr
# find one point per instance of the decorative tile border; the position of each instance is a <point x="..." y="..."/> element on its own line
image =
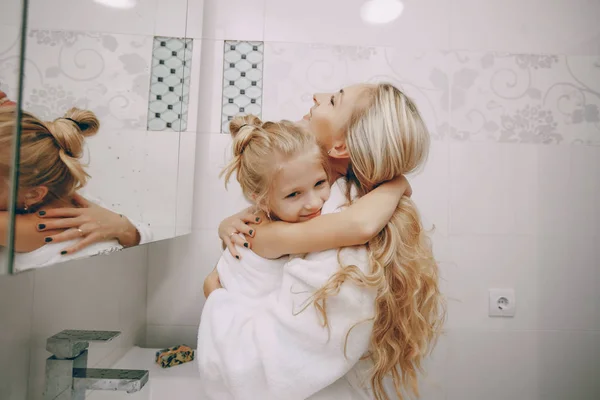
<point x="242" y="80"/>
<point x="170" y="84"/>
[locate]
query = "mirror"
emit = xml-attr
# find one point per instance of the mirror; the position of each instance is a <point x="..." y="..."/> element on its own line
<point x="11" y="20"/>
<point x="107" y="146"/>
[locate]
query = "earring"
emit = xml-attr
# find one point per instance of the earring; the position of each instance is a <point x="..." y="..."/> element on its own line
<point x="329" y="151"/>
<point x="25" y="207"/>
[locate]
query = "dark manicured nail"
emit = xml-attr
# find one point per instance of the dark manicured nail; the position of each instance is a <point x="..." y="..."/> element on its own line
<point x="63" y="252"/>
<point x="257" y="219"/>
<point x="42" y="226"/>
<point x="41" y="213"/>
<point x="251" y="231"/>
<point x="48" y="239"/>
<point x="238" y="257"/>
<point x="246" y="245"/>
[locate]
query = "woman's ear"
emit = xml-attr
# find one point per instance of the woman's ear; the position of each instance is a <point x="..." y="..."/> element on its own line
<point x="339" y="150"/>
<point x="35" y="195"/>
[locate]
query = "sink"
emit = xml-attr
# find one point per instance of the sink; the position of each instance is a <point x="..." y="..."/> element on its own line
<point x="181" y="382"/>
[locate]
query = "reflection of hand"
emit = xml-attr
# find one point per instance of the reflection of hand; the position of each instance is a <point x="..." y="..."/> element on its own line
<point x="237" y="223"/>
<point x="91" y="223"/>
<point x="212" y="283"/>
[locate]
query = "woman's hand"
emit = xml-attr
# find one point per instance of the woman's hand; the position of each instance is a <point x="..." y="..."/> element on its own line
<point x="91" y="223"/>
<point x="212" y="283"/>
<point x="238" y="223"/>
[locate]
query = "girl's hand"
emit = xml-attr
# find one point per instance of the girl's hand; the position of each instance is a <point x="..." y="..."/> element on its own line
<point x="238" y="223"/>
<point x="91" y="223"/>
<point x="212" y="283"/>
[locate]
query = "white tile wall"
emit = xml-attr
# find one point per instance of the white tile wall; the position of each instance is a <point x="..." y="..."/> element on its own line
<point x="423" y="25"/>
<point x="532" y="26"/>
<point x="16" y="310"/>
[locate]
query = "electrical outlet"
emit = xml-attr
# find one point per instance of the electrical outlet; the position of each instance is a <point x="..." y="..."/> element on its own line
<point x="502" y="303"/>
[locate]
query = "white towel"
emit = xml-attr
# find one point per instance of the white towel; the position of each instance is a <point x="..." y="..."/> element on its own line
<point x="273" y="349"/>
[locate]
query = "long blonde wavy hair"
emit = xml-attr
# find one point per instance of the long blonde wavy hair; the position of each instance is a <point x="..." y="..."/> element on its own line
<point x="50" y="152"/>
<point x="259" y="150"/>
<point x="385" y="139"/>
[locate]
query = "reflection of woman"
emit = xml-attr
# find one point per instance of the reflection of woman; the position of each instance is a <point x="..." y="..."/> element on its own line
<point x="50" y="174"/>
<point x="307" y="339"/>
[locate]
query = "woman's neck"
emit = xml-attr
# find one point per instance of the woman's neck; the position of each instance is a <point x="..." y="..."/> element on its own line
<point x="338" y="167"/>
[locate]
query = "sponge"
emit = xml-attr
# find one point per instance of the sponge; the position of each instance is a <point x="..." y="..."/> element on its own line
<point x="174" y="356"/>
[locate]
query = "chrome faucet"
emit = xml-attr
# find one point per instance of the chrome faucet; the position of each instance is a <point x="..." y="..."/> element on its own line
<point x="67" y="375"/>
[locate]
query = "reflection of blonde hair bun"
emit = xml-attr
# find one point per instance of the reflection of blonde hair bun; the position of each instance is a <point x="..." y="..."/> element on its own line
<point x="50" y="151"/>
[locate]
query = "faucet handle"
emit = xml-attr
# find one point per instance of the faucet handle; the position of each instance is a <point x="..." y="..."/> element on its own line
<point x="71" y="343"/>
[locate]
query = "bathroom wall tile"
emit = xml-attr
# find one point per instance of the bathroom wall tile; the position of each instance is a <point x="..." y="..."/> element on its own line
<point x="163" y="336"/>
<point x="137" y="177"/>
<point x="172" y="18"/>
<point x="422" y="25"/>
<point x="229" y="19"/>
<point x="185" y="182"/>
<point x="212" y="200"/>
<point x="176" y="277"/>
<point x="211" y="81"/>
<point x="294" y="72"/>
<point x="479" y="263"/>
<point x="570" y="88"/>
<point x="134" y="17"/>
<point x="492" y="365"/>
<point x="493" y="188"/>
<point x="196" y="89"/>
<point x="242" y="80"/>
<point x="170" y="84"/>
<point x="522" y="365"/>
<point x="568" y="362"/>
<point x="568" y="281"/>
<point x="159" y="182"/>
<point x="568" y="191"/>
<point x="106" y="73"/>
<point x="10" y="20"/>
<point x="9" y="57"/>
<point x="16" y="304"/>
<point x="528" y="26"/>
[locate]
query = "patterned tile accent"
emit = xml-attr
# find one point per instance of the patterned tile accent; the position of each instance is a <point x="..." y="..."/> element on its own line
<point x="170" y="84"/>
<point x="242" y="80"/>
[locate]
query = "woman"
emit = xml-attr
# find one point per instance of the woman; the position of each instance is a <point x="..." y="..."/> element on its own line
<point x="50" y="174"/>
<point x="372" y="133"/>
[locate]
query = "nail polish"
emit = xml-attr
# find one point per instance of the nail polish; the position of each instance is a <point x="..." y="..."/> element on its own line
<point x="63" y="252"/>
<point x="246" y="245"/>
<point x="41" y="226"/>
<point x="257" y="219"/>
<point x="251" y="231"/>
<point x="42" y="213"/>
<point x="238" y="257"/>
<point x="48" y="239"/>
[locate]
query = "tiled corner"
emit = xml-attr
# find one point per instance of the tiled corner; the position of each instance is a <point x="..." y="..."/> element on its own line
<point x="170" y="84"/>
<point x="242" y="80"/>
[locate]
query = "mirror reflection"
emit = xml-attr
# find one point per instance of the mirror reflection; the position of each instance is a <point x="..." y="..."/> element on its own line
<point x="102" y="119"/>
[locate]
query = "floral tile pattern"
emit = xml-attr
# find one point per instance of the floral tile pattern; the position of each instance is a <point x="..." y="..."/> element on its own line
<point x="170" y="86"/>
<point x="544" y="99"/>
<point x="242" y="80"/>
<point x="106" y="73"/>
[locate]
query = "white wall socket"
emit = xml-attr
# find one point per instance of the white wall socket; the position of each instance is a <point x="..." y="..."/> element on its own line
<point x="502" y="303"/>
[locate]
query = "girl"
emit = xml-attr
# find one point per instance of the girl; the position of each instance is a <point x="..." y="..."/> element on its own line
<point x="50" y="174"/>
<point x="372" y="133"/>
<point x="282" y="170"/>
